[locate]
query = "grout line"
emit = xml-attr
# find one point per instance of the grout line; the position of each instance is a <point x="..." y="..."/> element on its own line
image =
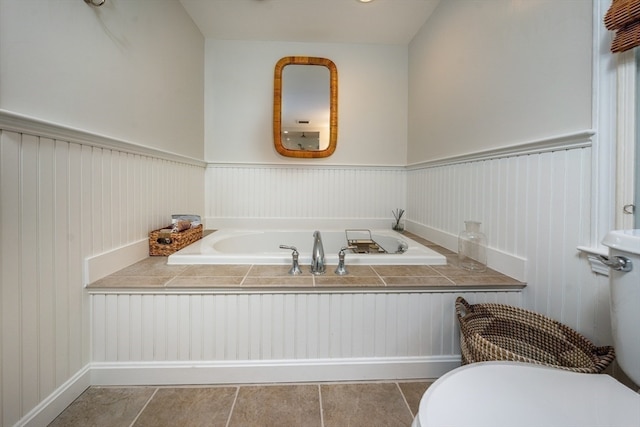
<point x="405" y="401"/>
<point x="246" y="275"/>
<point x="384" y="284"/>
<point x="144" y="407"/>
<point x="166" y="284"/>
<point x="233" y="405"/>
<point x="320" y="401"/>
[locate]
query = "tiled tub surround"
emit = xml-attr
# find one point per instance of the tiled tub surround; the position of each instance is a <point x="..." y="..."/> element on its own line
<point x="154" y="273"/>
<point x="152" y="323"/>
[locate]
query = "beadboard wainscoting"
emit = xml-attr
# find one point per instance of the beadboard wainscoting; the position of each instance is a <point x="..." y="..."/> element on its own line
<point x="535" y="202"/>
<point x="248" y="337"/>
<point x="66" y="195"/>
<point x="283" y="196"/>
<point x="534" y="205"/>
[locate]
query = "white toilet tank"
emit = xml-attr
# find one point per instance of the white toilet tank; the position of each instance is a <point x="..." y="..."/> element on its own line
<point x="624" y="247"/>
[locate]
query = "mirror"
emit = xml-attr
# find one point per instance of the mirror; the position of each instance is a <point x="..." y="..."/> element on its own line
<point x="305" y="107"/>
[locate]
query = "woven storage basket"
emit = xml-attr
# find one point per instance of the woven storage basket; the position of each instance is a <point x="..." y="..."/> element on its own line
<point x="501" y="332"/>
<point x="178" y="241"/>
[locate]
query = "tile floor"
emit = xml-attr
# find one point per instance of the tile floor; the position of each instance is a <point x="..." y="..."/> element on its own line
<point x="383" y="404"/>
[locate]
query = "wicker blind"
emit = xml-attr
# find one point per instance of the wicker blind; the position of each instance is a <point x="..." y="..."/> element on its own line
<point x="624" y="17"/>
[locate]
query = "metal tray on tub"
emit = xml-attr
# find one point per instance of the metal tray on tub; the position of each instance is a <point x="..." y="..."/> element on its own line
<point x="361" y="242"/>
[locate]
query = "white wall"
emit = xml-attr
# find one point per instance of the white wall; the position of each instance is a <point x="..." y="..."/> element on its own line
<point x="495" y="73"/>
<point x="486" y="77"/>
<point x="92" y="104"/>
<point x="130" y="70"/>
<point x="372" y="101"/>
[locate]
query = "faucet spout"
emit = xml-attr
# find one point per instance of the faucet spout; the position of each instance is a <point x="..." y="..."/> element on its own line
<point x="317" y="256"/>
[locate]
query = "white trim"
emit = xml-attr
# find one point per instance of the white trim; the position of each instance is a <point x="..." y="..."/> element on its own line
<point x="560" y="142"/>
<point x="509" y="264"/>
<point x="31" y="126"/>
<point x="271" y="371"/>
<point x="626" y="140"/>
<point x="568" y="141"/>
<point x="98" y="266"/>
<point x="604" y="121"/>
<point x="309" y="290"/>
<point x="312" y="166"/>
<point x="51" y="406"/>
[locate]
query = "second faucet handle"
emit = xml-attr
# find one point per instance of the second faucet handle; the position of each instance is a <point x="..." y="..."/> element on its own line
<point x="295" y="267"/>
<point x="341" y="269"/>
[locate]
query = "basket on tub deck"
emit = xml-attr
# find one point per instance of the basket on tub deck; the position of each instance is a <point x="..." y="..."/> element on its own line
<point x="502" y="332"/>
<point x="165" y="246"/>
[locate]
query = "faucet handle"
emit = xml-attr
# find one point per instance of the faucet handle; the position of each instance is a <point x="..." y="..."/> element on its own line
<point x="341" y="269"/>
<point x="295" y="267"/>
<point x="293" y="248"/>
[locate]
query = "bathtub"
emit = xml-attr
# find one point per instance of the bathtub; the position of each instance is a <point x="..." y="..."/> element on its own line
<point x="263" y="248"/>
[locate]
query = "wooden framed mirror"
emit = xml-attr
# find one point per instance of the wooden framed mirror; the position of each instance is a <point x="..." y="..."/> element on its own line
<point x="305" y="107"/>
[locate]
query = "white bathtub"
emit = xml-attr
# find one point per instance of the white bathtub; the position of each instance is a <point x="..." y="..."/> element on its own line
<point x="263" y="247"/>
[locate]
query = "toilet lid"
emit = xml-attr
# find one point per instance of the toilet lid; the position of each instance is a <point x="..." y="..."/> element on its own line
<point x="518" y="394"/>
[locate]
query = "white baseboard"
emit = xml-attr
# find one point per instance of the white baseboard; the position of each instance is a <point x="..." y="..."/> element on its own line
<point x="98" y="266"/>
<point x="271" y="371"/>
<point x="509" y="264"/>
<point x="56" y="402"/>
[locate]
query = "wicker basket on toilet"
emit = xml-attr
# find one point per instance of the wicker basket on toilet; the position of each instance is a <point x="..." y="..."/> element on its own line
<point x="491" y="332"/>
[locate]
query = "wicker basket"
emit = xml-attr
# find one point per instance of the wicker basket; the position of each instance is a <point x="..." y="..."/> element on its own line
<point x="177" y="241"/>
<point x="501" y="332"/>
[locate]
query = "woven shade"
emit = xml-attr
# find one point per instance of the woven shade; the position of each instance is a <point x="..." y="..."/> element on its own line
<point x="624" y="17"/>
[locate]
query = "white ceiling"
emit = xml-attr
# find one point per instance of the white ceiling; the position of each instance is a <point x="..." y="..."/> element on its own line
<point x="316" y="21"/>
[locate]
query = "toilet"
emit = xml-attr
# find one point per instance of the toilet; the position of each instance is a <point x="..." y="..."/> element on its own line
<point x="511" y="394"/>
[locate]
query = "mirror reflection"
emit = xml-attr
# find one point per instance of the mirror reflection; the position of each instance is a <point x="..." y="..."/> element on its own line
<point x="293" y="140"/>
<point x="305" y="107"/>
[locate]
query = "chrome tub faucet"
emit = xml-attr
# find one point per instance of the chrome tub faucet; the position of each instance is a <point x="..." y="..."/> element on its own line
<point x="317" y="256"/>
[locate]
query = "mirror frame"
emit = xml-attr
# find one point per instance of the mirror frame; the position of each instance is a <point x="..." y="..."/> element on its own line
<point x="333" y="106"/>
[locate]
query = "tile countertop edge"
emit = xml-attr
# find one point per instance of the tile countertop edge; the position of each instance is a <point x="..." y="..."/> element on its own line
<point x="195" y="290"/>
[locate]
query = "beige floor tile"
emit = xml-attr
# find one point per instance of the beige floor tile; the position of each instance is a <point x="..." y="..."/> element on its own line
<point x="413" y="392"/>
<point x="277" y="406"/>
<point x="193" y="407"/>
<point x="354" y="405"/>
<point x="104" y="406"/>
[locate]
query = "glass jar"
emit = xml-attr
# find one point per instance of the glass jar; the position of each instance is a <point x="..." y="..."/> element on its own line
<point x="472" y="247"/>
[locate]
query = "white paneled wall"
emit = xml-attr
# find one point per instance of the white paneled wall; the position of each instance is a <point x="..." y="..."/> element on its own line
<point x="61" y="202"/>
<point x="279" y="192"/>
<point x="263" y="327"/>
<point x="536" y="206"/>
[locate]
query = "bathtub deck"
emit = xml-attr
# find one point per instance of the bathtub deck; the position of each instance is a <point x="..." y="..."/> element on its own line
<point x="154" y="274"/>
<point x="159" y="324"/>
